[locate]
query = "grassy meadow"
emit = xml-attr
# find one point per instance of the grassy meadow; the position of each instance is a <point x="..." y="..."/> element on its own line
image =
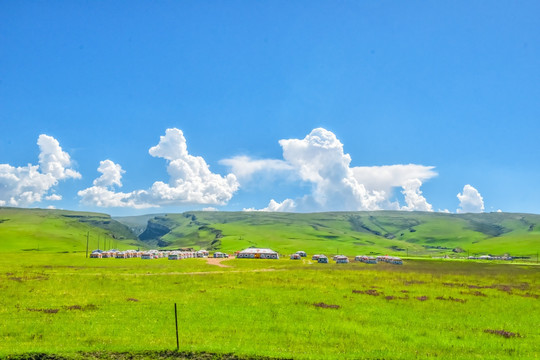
<point x="34" y="230"/>
<point x="65" y="303"/>
<point x="56" y="301"/>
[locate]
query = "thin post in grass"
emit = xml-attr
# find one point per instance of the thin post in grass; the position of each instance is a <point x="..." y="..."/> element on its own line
<point x="176" y="322"/>
<point x="87" y="235"/>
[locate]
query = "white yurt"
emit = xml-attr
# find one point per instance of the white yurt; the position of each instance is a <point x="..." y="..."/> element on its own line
<point x="257" y="253"/>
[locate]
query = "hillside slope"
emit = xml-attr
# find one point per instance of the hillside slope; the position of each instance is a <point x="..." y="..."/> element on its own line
<point x="60" y="230"/>
<point x="378" y="232"/>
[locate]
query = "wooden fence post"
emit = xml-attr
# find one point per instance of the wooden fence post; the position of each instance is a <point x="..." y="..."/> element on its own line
<point x="176" y="321"/>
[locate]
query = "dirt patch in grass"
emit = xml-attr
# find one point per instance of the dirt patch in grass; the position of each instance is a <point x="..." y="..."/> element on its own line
<point x="413" y="282"/>
<point x="45" y="311"/>
<point x="422" y="298"/>
<point x="371" y="292"/>
<point x="503" y="333"/>
<point x="463" y="301"/>
<point x="508" y="288"/>
<point x="326" y="306"/>
<point x="217" y="261"/>
<point x="132" y="299"/>
<point x="158" y="355"/>
<point x="81" y="307"/>
<point x="27" y="278"/>
<point x="474" y="293"/>
<point x="535" y="296"/>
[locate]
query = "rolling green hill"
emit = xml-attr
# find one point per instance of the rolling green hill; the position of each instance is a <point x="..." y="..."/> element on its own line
<point x="379" y="232"/>
<point x="350" y="233"/>
<point x="60" y="231"/>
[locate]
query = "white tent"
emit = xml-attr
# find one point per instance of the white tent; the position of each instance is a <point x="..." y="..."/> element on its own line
<point x="256" y="253"/>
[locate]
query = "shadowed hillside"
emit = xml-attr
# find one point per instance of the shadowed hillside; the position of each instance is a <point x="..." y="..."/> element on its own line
<point x="378" y="232"/>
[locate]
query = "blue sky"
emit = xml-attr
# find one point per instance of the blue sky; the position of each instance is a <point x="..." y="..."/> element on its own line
<point x="298" y="102"/>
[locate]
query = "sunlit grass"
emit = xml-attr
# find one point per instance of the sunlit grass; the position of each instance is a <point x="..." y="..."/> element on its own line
<point x="64" y="303"/>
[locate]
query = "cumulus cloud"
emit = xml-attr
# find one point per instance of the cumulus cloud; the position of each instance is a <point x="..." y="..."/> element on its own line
<point x="25" y="185"/>
<point x="53" y="160"/>
<point x="319" y="160"/>
<point x="384" y="178"/>
<point x="53" y="197"/>
<point x="111" y="174"/>
<point x="288" y="205"/>
<point x="104" y="197"/>
<point x="414" y="198"/>
<point x="470" y="200"/>
<point x="190" y="180"/>
<point x="243" y="167"/>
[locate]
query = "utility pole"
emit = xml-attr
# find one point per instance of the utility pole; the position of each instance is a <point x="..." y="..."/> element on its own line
<point x="87" y="236"/>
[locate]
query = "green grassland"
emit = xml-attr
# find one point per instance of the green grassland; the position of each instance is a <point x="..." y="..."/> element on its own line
<point x="64" y="303"/>
<point x="56" y="301"/>
<point x="59" y="230"/>
<point x="380" y="232"/>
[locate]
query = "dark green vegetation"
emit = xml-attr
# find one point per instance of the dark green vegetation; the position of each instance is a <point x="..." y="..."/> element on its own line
<point x="60" y="230"/>
<point x="380" y="232"/>
<point x="65" y="304"/>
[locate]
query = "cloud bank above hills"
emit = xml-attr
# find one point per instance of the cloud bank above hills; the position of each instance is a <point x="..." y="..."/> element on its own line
<point x="320" y="161"/>
<point x="317" y="162"/>
<point x="190" y="180"/>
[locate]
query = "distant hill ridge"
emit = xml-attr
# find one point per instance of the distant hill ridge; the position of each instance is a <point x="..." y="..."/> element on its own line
<point x="61" y="230"/>
<point x="373" y="232"/>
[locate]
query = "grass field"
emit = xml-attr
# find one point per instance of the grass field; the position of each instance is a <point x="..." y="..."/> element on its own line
<point x="65" y="303"/>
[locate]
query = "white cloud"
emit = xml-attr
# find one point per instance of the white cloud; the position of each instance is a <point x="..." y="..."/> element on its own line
<point x="470" y="200"/>
<point x="53" y="197"/>
<point x="25" y="185"/>
<point x="243" y="167"/>
<point x="210" y="208"/>
<point x="319" y="160"/>
<point x="172" y="146"/>
<point x="287" y="205"/>
<point x="103" y="197"/>
<point x="53" y="160"/>
<point x="414" y="198"/>
<point x="190" y="180"/>
<point x="384" y="178"/>
<point x="111" y="174"/>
